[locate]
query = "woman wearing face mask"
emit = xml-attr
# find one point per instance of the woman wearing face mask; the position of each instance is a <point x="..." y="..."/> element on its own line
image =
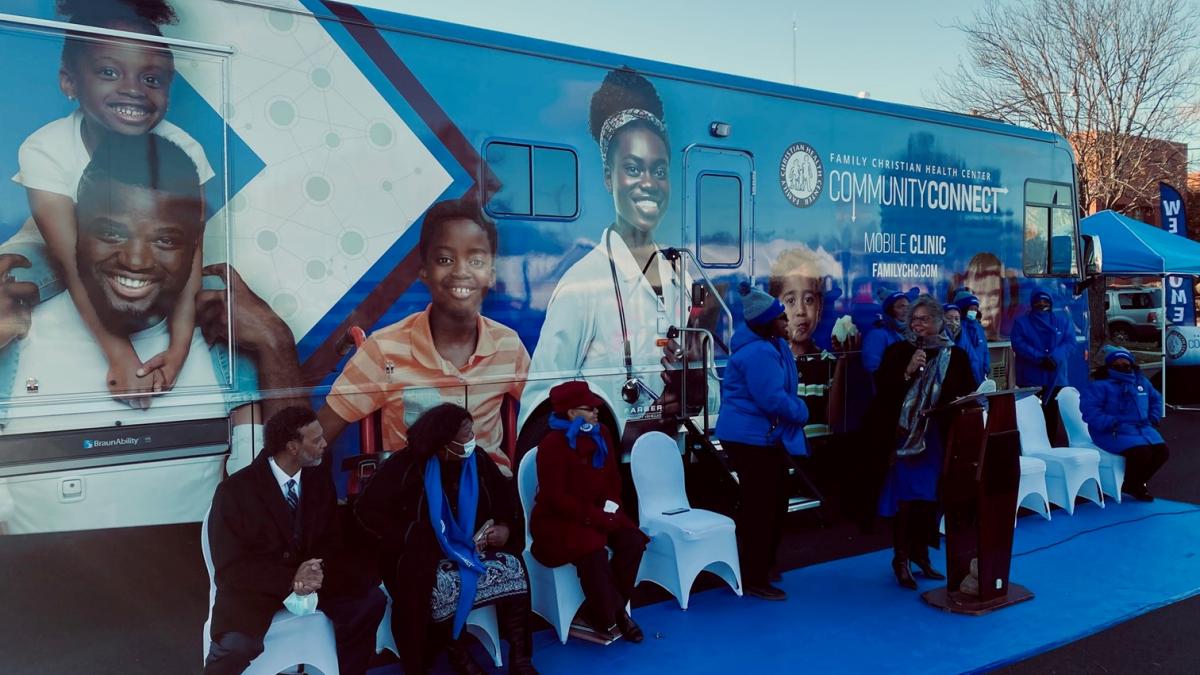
<point x="972" y="337"/>
<point x="449" y="527"/>
<point x="577" y="514"/>
<point x="1042" y="342"/>
<point x="925" y="371"/>
<point x="953" y="319"/>
<point x="887" y="331"/>
<point x="610" y="309"/>
<point x="1122" y="410"/>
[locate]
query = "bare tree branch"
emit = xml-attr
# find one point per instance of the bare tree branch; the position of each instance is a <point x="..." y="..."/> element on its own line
<point x="1117" y="78"/>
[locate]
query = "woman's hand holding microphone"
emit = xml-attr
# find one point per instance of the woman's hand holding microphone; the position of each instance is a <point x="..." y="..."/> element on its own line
<point x="915" y="365"/>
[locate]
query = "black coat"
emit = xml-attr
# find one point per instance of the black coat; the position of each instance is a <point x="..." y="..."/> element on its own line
<point x="393" y="507"/>
<point x="891" y="387"/>
<point x="256" y="552"/>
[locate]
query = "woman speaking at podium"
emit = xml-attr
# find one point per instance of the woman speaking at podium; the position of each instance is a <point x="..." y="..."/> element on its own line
<point x="922" y="372"/>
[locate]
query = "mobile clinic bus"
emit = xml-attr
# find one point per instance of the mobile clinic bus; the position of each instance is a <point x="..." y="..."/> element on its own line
<point x="628" y="198"/>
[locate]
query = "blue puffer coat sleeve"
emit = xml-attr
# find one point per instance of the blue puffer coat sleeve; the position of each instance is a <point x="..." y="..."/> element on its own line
<point x="1034" y="338"/>
<point x="1121" y="411"/>
<point x="973" y="340"/>
<point x="875" y="344"/>
<point x="759" y="391"/>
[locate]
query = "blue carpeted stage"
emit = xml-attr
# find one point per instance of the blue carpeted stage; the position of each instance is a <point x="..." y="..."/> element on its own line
<point x="1087" y="571"/>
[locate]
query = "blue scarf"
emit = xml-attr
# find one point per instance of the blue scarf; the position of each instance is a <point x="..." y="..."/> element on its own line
<point x="573" y="427"/>
<point x="456" y="536"/>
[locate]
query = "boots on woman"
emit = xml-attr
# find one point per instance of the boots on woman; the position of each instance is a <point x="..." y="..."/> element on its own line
<point x="922" y="522"/>
<point x="460" y="658"/>
<point x="901" y="527"/>
<point x="514" y="626"/>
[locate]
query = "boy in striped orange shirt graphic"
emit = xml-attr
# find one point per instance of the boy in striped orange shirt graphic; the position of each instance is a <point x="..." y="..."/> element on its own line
<point x="447" y="353"/>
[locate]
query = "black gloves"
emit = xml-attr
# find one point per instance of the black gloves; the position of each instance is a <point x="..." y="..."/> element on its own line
<point x="1047" y="363"/>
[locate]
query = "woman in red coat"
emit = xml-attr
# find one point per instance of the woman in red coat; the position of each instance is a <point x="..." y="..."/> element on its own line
<point x="577" y="515"/>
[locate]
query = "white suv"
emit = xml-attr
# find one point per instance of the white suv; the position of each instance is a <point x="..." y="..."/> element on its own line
<point x="1134" y="315"/>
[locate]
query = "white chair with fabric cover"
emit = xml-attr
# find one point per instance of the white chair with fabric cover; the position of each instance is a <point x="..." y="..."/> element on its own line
<point x="686" y="542"/>
<point x="554" y="592"/>
<point x="1112" y="465"/>
<point x="290" y="641"/>
<point x="1070" y="472"/>
<point x="1031" y="492"/>
<point x="482" y="623"/>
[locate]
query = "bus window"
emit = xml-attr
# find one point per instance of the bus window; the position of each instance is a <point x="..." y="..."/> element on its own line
<point x="511" y="164"/>
<point x="535" y="180"/>
<point x="1049" y="241"/>
<point x="718" y="204"/>
<point x="555" y="183"/>
<point x="719" y="219"/>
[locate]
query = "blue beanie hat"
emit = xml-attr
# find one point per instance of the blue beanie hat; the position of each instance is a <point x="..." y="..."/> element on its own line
<point x="891" y="300"/>
<point x="1118" y="353"/>
<point x="964" y="298"/>
<point x="950" y="306"/>
<point x="1040" y="295"/>
<point x="758" y="308"/>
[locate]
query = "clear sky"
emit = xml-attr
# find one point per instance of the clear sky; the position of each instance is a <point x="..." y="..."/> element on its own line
<point x="893" y="49"/>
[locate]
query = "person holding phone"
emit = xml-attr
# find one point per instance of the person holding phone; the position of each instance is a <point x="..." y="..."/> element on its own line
<point x="577" y="515"/>
<point x="449" y="526"/>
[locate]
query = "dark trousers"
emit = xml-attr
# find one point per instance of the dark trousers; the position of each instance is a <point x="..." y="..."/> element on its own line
<point x="763" y="484"/>
<point x="608" y="583"/>
<point x="1141" y="463"/>
<point x="1049" y="396"/>
<point x="355" y="620"/>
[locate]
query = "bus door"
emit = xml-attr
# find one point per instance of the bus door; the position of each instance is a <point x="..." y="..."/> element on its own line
<point x="718" y="206"/>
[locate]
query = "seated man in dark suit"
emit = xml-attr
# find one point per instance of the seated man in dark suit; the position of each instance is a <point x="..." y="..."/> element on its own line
<point x="274" y="536"/>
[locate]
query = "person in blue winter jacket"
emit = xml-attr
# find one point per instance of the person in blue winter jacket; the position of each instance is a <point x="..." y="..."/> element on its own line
<point x="1042" y="340"/>
<point x="1122" y="410"/>
<point x="971" y="337"/>
<point x="888" y="330"/>
<point x="761" y="411"/>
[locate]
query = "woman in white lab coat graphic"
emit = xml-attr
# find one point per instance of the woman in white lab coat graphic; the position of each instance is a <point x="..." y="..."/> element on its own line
<point x="609" y="310"/>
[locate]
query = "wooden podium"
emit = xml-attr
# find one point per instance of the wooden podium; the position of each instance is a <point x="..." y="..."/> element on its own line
<point x="980" y="478"/>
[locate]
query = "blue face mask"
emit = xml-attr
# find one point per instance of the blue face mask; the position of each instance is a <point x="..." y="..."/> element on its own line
<point x="468" y="449"/>
<point x="301" y="605"/>
<point x="972" y="315"/>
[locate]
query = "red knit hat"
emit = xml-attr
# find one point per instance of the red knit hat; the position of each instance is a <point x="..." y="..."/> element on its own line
<point x="573" y="394"/>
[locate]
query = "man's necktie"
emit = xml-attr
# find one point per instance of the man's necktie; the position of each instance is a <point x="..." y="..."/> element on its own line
<point x="293" y="499"/>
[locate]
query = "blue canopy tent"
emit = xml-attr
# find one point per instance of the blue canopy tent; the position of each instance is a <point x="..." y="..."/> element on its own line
<point x="1132" y="247"/>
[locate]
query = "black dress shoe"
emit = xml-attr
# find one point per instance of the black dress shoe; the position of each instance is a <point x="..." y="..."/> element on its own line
<point x="766" y="592"/>
<point x="775" y="577"/>
<point x="903" y="574"/>
<point x="928" y="571"/>
<point x="629" y="627"/>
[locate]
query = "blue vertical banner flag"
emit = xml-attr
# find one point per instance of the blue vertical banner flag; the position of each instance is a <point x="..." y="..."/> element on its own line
<point x="1179" y="304"/>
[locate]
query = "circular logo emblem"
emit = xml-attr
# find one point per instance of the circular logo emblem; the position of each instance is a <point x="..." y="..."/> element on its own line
<point x="1176" y="345"/>
<point x="801" y="175"/>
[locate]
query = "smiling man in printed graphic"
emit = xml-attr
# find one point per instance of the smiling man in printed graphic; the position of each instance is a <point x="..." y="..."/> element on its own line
<point x="140" y="218"/>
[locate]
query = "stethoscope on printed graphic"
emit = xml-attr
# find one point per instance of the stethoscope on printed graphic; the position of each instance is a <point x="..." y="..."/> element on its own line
<point x="633" y="388"/>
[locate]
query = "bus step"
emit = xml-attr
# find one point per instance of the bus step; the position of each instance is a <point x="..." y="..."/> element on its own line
<point x="802" y="504"/>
